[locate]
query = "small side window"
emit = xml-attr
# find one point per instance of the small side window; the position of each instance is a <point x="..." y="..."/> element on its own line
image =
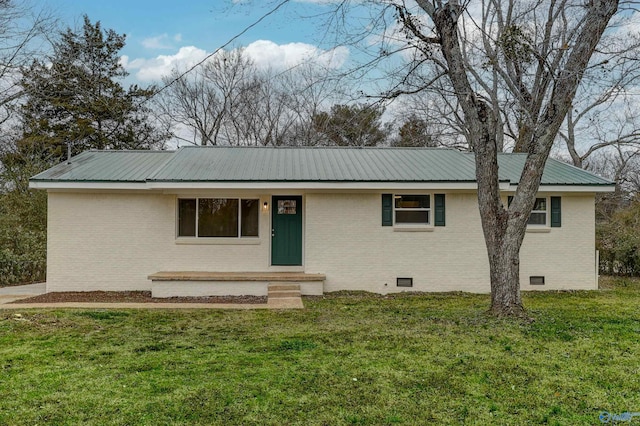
<point x="412" y="209"/>
<point x="539" y="213"/>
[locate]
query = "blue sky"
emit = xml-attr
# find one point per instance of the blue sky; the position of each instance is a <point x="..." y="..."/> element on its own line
<point x="162" y="33"/>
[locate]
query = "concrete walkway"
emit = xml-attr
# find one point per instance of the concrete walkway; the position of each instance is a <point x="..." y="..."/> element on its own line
<point x="10" y="294"/>
<point x="86" y="305"/>
<point x="29" y="290"/>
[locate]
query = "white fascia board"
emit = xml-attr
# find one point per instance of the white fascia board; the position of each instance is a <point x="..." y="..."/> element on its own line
<point x="319" y="185"/>
<point x="88" y="185"/>
<point x="571" y="188"/>
<point x="147" y="186"/>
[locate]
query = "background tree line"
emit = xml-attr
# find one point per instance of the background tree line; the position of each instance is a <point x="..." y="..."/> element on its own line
<point x="63" y="90"/>
<point x="65" y="97"/>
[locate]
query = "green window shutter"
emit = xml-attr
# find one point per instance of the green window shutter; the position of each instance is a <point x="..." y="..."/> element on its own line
<point x="439" y="210"/>
<point x="387" y="209"/>
<point x="556" y="212"/>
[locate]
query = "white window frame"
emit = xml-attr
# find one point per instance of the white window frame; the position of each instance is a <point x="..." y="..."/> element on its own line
<point x="546" y="214"/>
<point x="197" y="237"/>
<point x="421" y="209"/>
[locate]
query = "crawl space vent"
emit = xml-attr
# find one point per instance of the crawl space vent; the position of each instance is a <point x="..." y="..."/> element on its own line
<point x="404" y="282"/>
<point x="536" y="280"/>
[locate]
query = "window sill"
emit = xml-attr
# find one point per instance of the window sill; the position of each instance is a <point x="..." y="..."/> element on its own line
<point x="538" y="230"/>
<point x="413" y="228"/>
<point x="218" y="241"/>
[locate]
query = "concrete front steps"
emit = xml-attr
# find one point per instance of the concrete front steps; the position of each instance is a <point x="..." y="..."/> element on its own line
<point x="278" y="290"/>
<point x="284" y="295"/>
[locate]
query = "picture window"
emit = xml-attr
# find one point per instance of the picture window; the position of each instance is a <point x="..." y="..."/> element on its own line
<point x="218" y="217"/>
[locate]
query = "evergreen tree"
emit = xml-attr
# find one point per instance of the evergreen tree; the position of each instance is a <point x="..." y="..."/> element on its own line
<point x="352" y="125"/>
<point x="75" y="96"/>
<point x="414" y="133"/>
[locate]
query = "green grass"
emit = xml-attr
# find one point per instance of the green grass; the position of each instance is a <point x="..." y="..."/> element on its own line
<point x="345" y="360"/>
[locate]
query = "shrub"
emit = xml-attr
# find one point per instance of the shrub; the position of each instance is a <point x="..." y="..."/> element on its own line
<point x="618" y="240"/>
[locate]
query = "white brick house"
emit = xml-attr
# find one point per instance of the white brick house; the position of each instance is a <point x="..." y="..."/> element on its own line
<point x="382" y="220"/>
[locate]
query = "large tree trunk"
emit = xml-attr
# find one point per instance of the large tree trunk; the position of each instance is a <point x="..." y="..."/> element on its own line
<point x="503" y="247"/>
<point x="503" y="233"/>
<point x="504" y="267"/>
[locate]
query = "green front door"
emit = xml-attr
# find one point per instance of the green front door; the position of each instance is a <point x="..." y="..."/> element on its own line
<point x="286" y="230"/>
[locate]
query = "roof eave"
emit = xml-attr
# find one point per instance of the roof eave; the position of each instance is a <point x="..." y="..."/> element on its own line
<point x="275" y="185"/>
<point x="87" y="185"/>
<point x="577" y="187"/>
<point x="315" y="185"/>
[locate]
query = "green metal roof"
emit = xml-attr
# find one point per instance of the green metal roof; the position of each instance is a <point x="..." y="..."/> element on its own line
<point x="253" y="164"/>
<point x="107" y="166"/>
<point x="555" y="172"/>
<point x="243" y="164"/>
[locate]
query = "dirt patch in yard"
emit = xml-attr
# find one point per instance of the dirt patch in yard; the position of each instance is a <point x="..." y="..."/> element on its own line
<point x="134" y="297"/>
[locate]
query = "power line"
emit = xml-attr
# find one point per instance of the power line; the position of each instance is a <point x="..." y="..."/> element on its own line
<point x="231" y="40"/>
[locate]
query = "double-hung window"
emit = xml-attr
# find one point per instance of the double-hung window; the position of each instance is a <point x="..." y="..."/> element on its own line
<point x="547" y="211"/>
<point x="412" y="209"/>
<point x="539" y="213"/>
<point x="218" y="217"/>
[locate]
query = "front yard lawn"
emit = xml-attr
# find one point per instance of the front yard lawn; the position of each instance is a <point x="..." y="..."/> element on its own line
<point x="346" y="359"/>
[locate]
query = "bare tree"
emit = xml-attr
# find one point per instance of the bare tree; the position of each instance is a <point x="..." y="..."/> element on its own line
<point x="23" y="32"/>
<point x="204" y="101"/>
<point x="536" y="53"/>
<point x="189" y="108"/>
<point x="23" y="36"/>
<point x="513" y="68"/>
<point x="605" y="113"/>
<point x="265" y="117"/>
<point x="442" y="115"/>
<point x="610" y="122"/>
<point x="309" y="90"/>
<point x="620" y="164"/>
<point x="230" y="101"/>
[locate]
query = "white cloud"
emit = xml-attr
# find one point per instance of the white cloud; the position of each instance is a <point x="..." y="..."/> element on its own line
<point x="162" y="41"/>
<point x="154" y="69"/>
<point x="264" y="53"/>
<point x="267" y="54"/>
